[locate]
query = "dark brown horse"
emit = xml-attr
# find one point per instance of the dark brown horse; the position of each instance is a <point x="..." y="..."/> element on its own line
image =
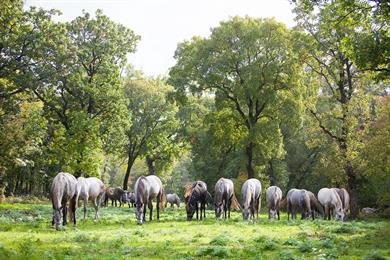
<point x="115" y="194"/>
<point x="315" y="205"/>
<point x="196" y="193"/>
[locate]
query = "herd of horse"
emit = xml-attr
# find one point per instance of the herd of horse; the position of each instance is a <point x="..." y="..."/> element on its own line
<point x="66" y="188"/>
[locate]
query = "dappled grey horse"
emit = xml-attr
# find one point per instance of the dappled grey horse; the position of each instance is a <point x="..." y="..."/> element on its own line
<point x="273" y="196"/>
<point x="344" y="197"/>
<point x="298" y="200"/>
<point x="173" y="199"/>
<point x="90" y="189"/>
<point x="331" y="201"/>
<point x="223" y="197"/>
<point x="197" y="193"/>
<point x="251" y="198"/>
<point x="146" y="189"/>
<point x="62" y="190"/>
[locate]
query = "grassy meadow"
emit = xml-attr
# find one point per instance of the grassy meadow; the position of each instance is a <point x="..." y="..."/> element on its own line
<point x="26" y="233"/>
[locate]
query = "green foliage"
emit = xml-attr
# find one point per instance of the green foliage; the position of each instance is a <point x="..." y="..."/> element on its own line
<point x="250" y="106"/>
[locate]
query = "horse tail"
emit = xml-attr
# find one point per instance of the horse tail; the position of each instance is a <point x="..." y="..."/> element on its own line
<point x="72" y="208"/>
<point x="235" y="204"/>
<point x="163" y="198"/>
<point x="283" y="203"/>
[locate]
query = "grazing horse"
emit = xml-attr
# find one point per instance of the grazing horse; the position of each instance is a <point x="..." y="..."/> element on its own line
<point x="196" y="193"/>
<point x="128" y="197"/>
<point x="173" y="199"/>
<point x="251" y="198"/>
<point x="224" y="197"/>
<point x="63" y="189"/>
<point x="274" y="197"/>
<point x="90" y="189"/>
<point x="344" y="196"/>
<point x="115" y="194"/>
<point x="315" y="205"/>
<point x="146" y="189"/>
<point x="330" y="200"/>
<point x="298" y="199"/>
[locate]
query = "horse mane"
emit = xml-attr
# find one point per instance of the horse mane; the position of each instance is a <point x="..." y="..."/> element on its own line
<point x="188" y="189"/>
<point x="338" y="199"/>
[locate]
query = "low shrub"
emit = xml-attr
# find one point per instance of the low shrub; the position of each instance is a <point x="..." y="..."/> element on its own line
<point x="218" y="251"/>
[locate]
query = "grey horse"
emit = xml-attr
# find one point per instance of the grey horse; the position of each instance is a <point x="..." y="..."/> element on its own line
<point x="90" y="189"/>
<point x="173" y="199"/>
<point x="298" y="200"/>
<point x="251" y="198"/>
<point x="274" y="196"/>
<point x="146" y="189"/>
<point x="62" y="190"/>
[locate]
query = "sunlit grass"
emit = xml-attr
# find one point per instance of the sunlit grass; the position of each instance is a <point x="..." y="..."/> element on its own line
<point x="26" y="232"/>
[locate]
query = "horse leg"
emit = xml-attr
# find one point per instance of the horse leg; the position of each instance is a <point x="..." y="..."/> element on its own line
<point x="64" y="212"/>
<point x="96" y="206"/>
<point x="158" y="207"/>
<point x="144" y="218"/>
<point x="197" y="211"/>
<point x="150" y="206"/>
<point x="85" y="207"/>
<point x="229" y="207"/>
<point x="278" y="214"/>
<point x="204" y="209"/>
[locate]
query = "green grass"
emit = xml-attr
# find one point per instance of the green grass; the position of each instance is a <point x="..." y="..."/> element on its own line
<point x="26" y="232"/>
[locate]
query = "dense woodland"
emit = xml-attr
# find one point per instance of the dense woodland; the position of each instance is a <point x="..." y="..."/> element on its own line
<point x="304" y="107"/>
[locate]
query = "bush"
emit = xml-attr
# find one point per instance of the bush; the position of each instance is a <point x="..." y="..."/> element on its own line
<point x="374" y="256"/>
<point x="286" y="255"/>
<point x="220" y="240"/>
<point x="306" y="247"/>
<point x="217" y="251"/>
<point x="291" y="242"/>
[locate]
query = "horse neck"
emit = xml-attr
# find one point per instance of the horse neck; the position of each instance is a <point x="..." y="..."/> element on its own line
<point x="247" y="197"/>
<point x="193" y="197"/>
<point x="337" y="200"/>
<point x="141" y="191"/>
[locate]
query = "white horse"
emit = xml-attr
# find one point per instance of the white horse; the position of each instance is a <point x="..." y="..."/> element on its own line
<point x="273" y="196"/>
<point x="62" y="190"/>
<point x="330" y="200"/>
<point x="146" y="189"/>
<point x="90" y="189"/>
<point x="251" y="198"/>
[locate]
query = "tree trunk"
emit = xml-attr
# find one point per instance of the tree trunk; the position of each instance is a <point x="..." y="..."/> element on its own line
<point x="130" y="163"/>
<point x="150" y="164"/>
<point x="272" y="178"/>
<point x="352" y="189"/>
<point x="249" y="154"/>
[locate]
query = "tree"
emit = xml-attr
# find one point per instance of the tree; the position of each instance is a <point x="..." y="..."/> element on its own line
<point x="82" y="96"/>
<point x="251" y="68"/>
<point x="341" y="108"/>
<point x="153" y="123"/>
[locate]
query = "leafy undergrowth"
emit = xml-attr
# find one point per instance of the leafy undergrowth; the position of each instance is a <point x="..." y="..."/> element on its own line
<point x="26" y="232"/>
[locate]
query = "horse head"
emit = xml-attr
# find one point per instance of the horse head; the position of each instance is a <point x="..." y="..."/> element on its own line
<point x="245" y="213"/>
<point x="190" y="211"/>
<point x="139" y="213"/>
<point x="218" y="209"/>
<point x="339" y="214"/>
